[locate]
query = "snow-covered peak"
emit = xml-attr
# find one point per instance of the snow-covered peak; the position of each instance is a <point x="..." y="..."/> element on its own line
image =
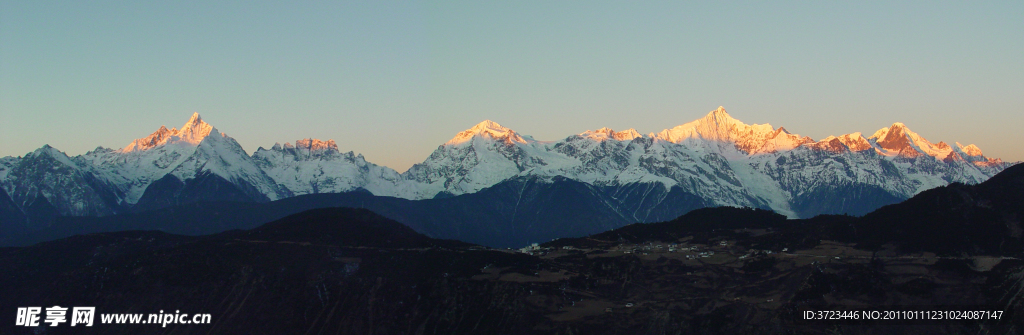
<point x="971" y="153"/>
<point x="970" y="149"/>
<point x="882" y="134"/>
<point x="831" y="144"/>
<point x="221" y="155"/>
<point x="607" y="133"/>
<point x="304" y="149"/>
<point x="855" y="141"/>
<point x="309" y="144"/>
<point x="896" y="139"/>
<point x="158" y="137"/>
<point x="48" y="151"/>
<point x="899" y="139"/>
<point x="843" y="143"/>
<point x="314" y="166"/>
<point x="486" y="129"/>
<point x="719" y="126"/>
<point x="313" y="144"/>
<point x="193" y="132"/>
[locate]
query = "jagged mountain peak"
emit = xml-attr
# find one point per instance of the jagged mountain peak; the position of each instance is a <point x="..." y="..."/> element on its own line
<point x="718" y="127"/>
<point x="721" y="119"/>
<point x="195" y="119"/>
<point x="195" y="129"/>
<point x="193" y="132"/>
<point x="855" y="141"/>
<point x="719" y="113"/>
<point x="313" y="144"/>
<point x="852" y="142"/>
<point x="220" y="155"/>
<point x="607" y="133"/>
<point x="900" y="140"/>
<point x="488" y="124"/>
<point x="486" y="129"/>
<point x="831" y="144"/>
<point x="891" y="133"/>
<point x="970" y="149"/>
<point x="308" y="144"/>
<point x="843" y="143"/>
<point x="973" y="154"/>
<point x="897" y="139"/>
<point x="48" y="151"/>
<point x="44" y="148"/>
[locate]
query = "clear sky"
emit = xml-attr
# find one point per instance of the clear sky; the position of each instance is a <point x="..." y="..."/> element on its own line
<point x="393" y="80"/>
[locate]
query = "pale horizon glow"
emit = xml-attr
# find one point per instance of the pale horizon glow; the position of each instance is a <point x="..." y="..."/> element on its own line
<point x="392" y="81"/>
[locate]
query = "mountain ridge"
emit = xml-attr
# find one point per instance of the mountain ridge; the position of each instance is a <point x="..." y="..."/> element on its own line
<point x="717" y="158"/>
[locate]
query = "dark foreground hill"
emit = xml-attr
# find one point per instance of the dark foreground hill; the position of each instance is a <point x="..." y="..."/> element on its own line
<point x="987" y="218"/>
<point x="712" y="271"/>
<point x="326" y="270"/>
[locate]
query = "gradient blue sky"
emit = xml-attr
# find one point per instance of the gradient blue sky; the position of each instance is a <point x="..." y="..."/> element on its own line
<point x="393" y="80"/>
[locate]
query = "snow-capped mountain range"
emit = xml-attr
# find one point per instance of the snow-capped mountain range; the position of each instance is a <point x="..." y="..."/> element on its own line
<point x="716" y="158"/>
